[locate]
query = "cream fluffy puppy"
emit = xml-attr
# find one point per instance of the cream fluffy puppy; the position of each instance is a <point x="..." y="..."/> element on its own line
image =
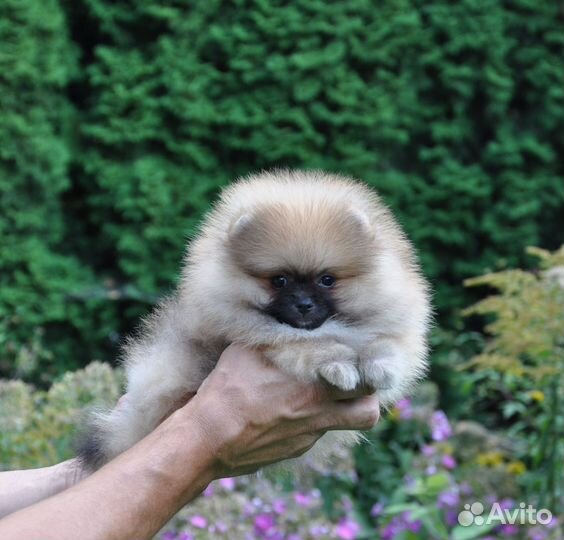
<point x="310" y="268"/>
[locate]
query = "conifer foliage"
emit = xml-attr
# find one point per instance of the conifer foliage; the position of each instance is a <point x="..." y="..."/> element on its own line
<point x="121" y="120"/>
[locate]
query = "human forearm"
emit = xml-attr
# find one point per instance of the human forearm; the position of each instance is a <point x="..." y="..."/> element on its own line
<point x="19" y="489"/>
<point x="246" y="415"/>
<point x="132" y="497"/>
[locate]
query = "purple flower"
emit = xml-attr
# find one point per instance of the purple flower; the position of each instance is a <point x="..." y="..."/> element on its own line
<point x="169" y="535"/>
<point x="303" y="499"/>
<point x="228" y="484"/>
<point x="185" y="536"/>
<point x="466" y="488"/>
<point x="448" y="461"/>
<point x="448" y="498"/>
<point x="405" y="409"/>
<point x="411" y="525"/>
<point x="431" y="469"/>
<point x="248" y="509"/>
<point x="427" y="450"/>
<point x="376" y="509"/>
<point x="221" y="527"/>
<point x="319" y="531"/>
<point x="490" y="499"/>
<point x="294" y="537"/>
<point x="200" y="522"/>
<point x="507" y="504"/>
<point x="401" y="523"/>
<point x="451" y="517"/>
<point x="393" y="528"/>
<point x="347" y="529"/>
<point x="509" y="530"/>
<point x="440" y="426"/>
<point x="208" y="492"/>
<point x="279" y="506"/>
<point x="264" y="523"/>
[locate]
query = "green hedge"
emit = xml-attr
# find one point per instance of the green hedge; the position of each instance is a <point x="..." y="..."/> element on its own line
<point x="454" y="111"/>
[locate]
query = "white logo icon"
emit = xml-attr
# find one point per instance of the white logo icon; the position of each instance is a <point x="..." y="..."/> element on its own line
<point x="472" y="515"/>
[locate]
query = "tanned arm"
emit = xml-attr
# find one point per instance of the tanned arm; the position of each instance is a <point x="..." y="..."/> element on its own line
<point x="247" y="414"/>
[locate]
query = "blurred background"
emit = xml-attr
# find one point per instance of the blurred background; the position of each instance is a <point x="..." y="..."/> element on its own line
<point x="120" y="121"/>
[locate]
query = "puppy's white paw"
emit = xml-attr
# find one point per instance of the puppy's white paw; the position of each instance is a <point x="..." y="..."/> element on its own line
<point x="378" y="373"/>
<point x="340" y="374"/>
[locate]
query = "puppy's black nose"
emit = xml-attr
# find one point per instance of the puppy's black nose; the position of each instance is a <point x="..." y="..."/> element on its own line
<point x="304" y="305"/>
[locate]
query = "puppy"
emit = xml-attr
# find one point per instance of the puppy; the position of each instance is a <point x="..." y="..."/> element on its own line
<point x="310" y="268"/>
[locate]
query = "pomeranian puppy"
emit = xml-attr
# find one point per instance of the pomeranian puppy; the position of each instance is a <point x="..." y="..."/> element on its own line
<point x="309" y="267"/>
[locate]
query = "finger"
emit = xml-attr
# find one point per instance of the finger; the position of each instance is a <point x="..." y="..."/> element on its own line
<point x="360" y="414"/>
<point x="327" y="391"/>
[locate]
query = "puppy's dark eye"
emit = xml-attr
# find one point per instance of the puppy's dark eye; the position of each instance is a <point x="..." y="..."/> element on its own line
<point x="279" y="281"/>
<point x="327" y="280"/>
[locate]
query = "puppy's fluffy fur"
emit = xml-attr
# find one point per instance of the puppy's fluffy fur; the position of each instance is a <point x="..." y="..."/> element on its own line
<point x="257" y="275"/>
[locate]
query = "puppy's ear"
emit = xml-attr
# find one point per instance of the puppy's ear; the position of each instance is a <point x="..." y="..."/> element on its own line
<point x="240" y="226"/>
<point x="361" y="219"/>
<point x="360" y="222"/>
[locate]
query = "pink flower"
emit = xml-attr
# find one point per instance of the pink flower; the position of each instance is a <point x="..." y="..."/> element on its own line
<point x="208" y="492"/>
<point x="228" y="484"/>
<point x="186" y="536"/>
<point x="221" y="527"/>
<point x="376" y="509"/>
<point x="303" y="499"/>
<point x="279" y="506"/>
<point x="448" y="461"/>
<point x="427" y="450"/>
<point x="449" y="498"/>
<point x="347" y="529"/>
<point x="440" y="426"/>
<point x="507" y="504"/>
<point x="509" y="530"/>
<point x="264" y="523"/>
<point x="319" y="531"/>
<point x="405" y="409"/>
<point x="200" y="522"/>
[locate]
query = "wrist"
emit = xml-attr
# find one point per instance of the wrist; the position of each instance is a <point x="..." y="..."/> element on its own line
<point x="215" y="425"/>
<point x="180" y="440"/>
<point x="69" y="473"/>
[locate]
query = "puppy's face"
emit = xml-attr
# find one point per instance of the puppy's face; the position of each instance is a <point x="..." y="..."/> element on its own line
<point x="305" y="258"/>
<point x="302" y="301"/>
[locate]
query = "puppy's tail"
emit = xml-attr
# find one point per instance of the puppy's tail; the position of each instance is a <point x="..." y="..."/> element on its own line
<point x="89" y="445"/>
<point x="105" y="435"/>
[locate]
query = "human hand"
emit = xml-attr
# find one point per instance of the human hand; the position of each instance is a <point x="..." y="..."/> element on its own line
<point x="253" y="414"/>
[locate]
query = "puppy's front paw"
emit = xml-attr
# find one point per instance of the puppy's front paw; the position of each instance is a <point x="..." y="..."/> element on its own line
<point x="378" y="374"/>
<point x="339" y="367"/>
<point x="340" y="374"/>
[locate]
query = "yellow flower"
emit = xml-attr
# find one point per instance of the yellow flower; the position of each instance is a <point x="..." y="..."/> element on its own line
<point x="536" y="395"/>
<point x="490" y="459"/>
<point x="516" y="467"/>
